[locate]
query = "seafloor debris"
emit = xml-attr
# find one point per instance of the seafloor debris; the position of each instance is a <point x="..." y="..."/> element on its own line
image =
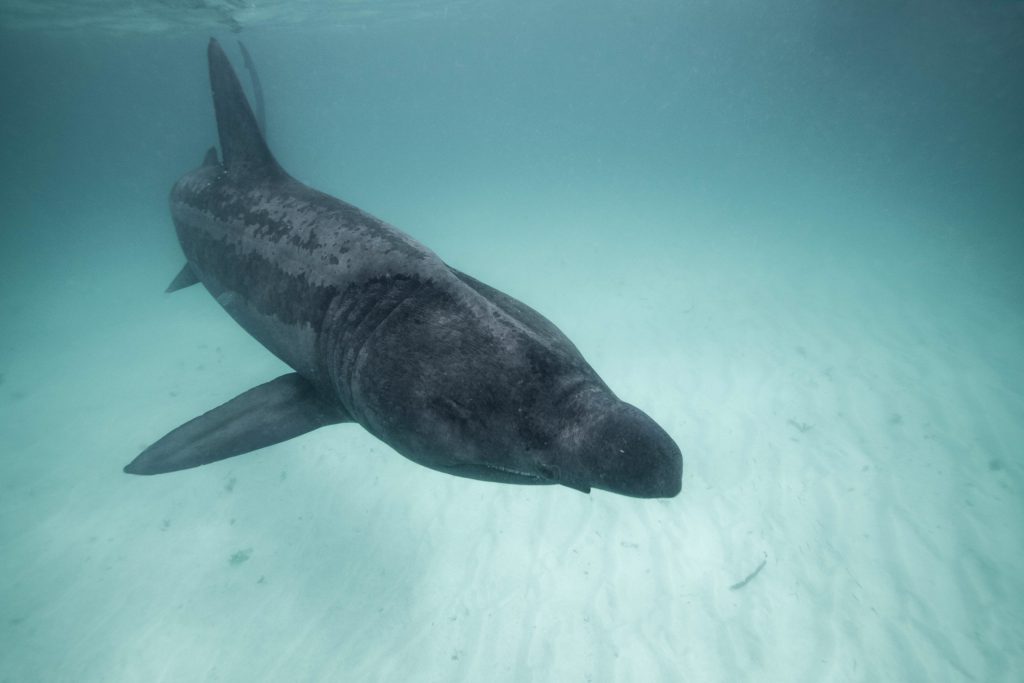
<point x="750" y="577"/>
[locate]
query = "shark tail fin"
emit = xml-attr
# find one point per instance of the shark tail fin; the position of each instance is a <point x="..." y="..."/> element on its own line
<point x="241" y="142"/>
<point x="257" y="89"/>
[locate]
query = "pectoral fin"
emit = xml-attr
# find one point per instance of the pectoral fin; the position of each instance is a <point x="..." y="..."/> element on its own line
<point x="186" y="277"/>
<point x="265" y="415"/>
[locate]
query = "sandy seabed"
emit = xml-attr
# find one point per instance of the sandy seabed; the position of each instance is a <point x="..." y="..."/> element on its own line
<point x="852" y="424"/>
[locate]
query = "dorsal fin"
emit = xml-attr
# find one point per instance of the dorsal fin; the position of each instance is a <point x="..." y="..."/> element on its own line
<point x="244" y="150"/>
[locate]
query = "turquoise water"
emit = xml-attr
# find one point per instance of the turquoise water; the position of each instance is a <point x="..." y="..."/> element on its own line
<point x="792" y="235"/>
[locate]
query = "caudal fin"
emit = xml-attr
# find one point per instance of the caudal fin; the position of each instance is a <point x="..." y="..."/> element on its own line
<point x="257" y="89"/>
<point x="242" y="145"/>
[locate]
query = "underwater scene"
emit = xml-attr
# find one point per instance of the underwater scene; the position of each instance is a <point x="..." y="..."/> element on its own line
<point x="493" y="340"/>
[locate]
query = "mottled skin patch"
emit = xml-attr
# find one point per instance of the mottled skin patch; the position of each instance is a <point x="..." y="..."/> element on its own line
<point x="276" y="253"/>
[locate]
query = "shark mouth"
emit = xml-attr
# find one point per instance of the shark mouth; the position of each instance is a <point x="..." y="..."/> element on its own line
<point x="497" y="473"/>
<point x="507" y="475"/>
<point x="512" y="470"/>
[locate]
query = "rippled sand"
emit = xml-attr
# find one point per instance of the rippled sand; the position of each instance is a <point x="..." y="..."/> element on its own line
<point x="852" y="419"/>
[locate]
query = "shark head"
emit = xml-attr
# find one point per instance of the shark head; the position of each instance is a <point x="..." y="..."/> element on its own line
<point x="614" y="446"/>
<point x="600" y="442"/>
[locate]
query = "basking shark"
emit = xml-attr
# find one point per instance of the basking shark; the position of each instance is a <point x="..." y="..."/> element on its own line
<point x="448" y="371"/>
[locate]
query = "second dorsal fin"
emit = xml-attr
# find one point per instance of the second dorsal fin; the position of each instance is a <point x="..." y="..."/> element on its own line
<point x="241" y="142"/>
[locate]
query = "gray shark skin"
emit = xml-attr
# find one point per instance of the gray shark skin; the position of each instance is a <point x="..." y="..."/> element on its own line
<point x="449" y="372"/>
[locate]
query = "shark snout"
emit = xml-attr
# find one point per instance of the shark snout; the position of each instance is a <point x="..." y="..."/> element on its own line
<point x="633" y="456"/>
